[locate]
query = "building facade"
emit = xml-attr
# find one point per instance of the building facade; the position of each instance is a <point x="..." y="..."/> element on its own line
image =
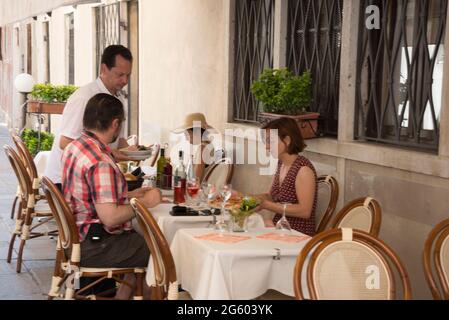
<point x="379" y="139"/>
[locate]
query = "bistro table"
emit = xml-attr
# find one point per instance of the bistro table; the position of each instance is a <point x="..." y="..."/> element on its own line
<point x="211" y="270"/>
<point x="170" y="224"/>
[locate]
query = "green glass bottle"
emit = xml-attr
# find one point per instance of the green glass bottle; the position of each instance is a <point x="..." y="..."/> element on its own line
<point x="160" y="168"/>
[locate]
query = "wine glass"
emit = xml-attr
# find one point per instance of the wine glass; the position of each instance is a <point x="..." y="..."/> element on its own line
<point x="210" y="192"/>
<point x="283" y="225"/>
<point x="192" y="188"/>
<point x="225" y="193"/>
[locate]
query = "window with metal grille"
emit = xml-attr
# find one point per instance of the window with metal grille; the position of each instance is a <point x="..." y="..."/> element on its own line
<point x="107" y="19"/>
<point x="70" y="27"/>
<point x="1" y="44"/>
<point x="254" y="39"/>
<point x="314" y="43"/>
<point x="400" y="73"/>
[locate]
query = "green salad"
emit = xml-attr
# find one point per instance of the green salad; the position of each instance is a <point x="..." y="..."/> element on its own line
<point x="249" y="203"/>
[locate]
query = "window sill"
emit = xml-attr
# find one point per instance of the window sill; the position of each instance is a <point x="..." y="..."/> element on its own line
<point x="386" y="156"/>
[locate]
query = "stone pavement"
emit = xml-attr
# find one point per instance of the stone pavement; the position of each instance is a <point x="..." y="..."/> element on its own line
<point x="34" y="281"/>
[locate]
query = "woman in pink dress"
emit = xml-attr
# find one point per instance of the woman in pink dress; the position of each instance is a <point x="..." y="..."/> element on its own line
<point x="295" y="181"/>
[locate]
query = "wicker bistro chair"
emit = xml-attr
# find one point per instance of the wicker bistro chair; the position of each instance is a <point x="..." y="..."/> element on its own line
<point x="27" y="160"/>
<point x="28" y="210"/>
<point x="327" y="201"/>
<point x="154" y="155"/>
<point x="220" y="173"/>
<point x="165" y="285"/>
<point x="350" y="264"/>
<point x="361" y="214"/>
<point x="68" y="256"/>
<point x="436" y="261"/>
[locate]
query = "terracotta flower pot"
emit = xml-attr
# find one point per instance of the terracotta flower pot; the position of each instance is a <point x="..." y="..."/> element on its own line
<point x="307" y="122"/>
<point x="44" y="107"/>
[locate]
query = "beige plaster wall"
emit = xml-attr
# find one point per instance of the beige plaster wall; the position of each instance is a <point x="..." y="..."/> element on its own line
<point x="182" y="65"/>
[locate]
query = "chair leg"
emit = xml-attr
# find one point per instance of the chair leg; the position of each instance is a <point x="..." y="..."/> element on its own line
<point x="13" y="209"/>
<point x="57" y="274"/>
<point x="20" y="255"/>
<point x="24" y="236"/>
<point x="138" y="293"/>
<point x="11" y="247"/>
<point x="17" y="231"/>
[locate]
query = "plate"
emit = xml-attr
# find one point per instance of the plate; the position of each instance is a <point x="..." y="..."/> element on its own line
<point x="137" y="153"/>
<point x="139" y="158"/>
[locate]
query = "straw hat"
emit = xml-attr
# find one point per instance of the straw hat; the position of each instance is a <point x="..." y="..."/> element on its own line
<point x="193" y="120"/>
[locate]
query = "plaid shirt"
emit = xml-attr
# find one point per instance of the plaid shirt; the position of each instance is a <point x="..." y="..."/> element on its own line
<point x="90" y="175"/>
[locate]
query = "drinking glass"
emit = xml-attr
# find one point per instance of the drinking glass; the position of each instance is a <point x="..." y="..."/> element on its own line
<point x="225" y="193"/>
<point x="192" y="188"/>
<point x="283" y="225"/>
<point x="210" y="192"/>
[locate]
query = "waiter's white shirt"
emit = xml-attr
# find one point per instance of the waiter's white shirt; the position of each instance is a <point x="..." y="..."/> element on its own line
<point x="72" y="125"/>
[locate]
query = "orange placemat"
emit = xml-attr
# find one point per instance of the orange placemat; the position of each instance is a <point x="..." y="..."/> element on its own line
<point x="284" y="238"/>
<point x="223" y="238"/>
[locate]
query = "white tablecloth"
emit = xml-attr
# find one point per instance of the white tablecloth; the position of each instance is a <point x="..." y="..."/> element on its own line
<point x="40" y="160"/>
<point x="245" y="270"/>
<point x="170" y="224"/>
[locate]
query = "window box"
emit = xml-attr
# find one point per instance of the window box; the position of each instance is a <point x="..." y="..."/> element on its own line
<point x="307" y="122"/>
<point x="45" y="107"/>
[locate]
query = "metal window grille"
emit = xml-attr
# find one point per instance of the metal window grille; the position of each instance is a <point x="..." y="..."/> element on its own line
<point x="314" y="43"/>
<point x="1" y="44"/>
<point x="108" y="28"/>
<point x="399" y="74"/>
<point x="71" y="47"/>
<point x="254" y="39"/>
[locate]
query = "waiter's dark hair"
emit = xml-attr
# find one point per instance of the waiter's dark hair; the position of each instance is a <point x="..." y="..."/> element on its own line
<point x="101" y="110"/>
<point x="111" y="52"/>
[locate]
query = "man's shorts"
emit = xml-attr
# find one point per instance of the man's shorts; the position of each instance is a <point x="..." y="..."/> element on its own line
<point x="125" y="250"/>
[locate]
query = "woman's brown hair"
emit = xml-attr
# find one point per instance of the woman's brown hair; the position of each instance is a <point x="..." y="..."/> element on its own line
<point x="288" y="127"/>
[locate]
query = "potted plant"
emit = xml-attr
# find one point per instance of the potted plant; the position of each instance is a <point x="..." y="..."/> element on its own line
<point x="31" y="140"/>
<point x="48" y="98"/>
<point x="284" y="94"/>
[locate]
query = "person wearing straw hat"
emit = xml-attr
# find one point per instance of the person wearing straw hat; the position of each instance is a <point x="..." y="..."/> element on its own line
<point x="197" y="132"/>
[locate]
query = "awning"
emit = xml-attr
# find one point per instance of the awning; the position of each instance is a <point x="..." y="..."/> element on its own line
<point x="12" y="11"/>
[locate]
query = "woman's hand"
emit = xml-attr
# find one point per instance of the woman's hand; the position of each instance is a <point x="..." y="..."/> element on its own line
<point x="261" y="206"/>
<point x="269" y="223"/>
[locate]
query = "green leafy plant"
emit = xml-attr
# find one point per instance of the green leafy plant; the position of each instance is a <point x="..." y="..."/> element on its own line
<point x="31" y="139"/>
<point x="50" y="93"/>
<point x="282" y="92"/>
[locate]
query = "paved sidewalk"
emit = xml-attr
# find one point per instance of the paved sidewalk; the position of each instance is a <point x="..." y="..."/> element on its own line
<point x="34" y="280"/>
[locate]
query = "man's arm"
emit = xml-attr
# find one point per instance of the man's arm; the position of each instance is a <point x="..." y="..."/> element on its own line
<point x="64" y="142"/>
<point x="122" y="143"/>
<point x="111" y="214"/>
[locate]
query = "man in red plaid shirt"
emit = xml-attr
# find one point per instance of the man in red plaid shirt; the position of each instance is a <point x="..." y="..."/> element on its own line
<point x="97" y="192"/>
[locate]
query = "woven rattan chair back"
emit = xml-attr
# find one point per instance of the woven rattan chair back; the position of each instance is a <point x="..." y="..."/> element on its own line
<point x="362" y="214"/>
<point x="436" y="261"/>
<point x="347" y="264"/>
<point x="26" y="156"/>
<point x="21" y="173"/>
<point x="220" y="173"/>
<point x="154" y="155"/>
<point x="165" y="282"/>
<point x="327" y="201"/>
<point x="68" y="232"/>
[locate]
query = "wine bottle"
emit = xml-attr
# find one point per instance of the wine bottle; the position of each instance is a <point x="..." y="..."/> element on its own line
<point x="180" y="172"/>
<point x="160" y="168"/>
<point x="168" y="175"/>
